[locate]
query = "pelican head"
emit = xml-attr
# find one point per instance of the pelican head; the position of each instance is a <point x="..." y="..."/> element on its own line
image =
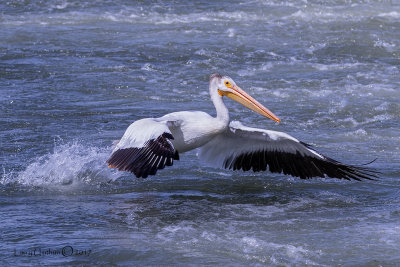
<point x="227" y="87"/>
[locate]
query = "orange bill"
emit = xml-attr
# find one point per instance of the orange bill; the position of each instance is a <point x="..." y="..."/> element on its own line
<point x="248" y="101"/>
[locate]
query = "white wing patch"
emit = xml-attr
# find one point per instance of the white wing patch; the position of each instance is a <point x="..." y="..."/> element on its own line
<point x="274" y="135"/>
<point x="139" y="132"/>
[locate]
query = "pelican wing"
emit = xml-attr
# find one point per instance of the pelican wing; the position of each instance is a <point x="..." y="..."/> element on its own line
<point x="144" y="148"/>
<point x="245" y="148"/>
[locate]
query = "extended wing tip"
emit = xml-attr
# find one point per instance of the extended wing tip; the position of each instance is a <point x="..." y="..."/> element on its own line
<point x="355" y="172"/>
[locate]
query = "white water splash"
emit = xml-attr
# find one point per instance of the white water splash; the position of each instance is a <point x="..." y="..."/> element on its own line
<point x="68" y="166"/>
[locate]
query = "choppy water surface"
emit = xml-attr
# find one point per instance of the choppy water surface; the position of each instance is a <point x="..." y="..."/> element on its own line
<point x="75" y="74"/>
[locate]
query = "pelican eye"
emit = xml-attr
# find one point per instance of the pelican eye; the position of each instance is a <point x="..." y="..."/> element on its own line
<point x="227" y="83"/>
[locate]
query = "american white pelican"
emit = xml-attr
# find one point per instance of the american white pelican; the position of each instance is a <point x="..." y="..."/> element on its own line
<point x="153" y="143"/>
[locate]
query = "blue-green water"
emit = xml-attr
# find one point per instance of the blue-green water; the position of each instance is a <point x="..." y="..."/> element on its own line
<point x="75" y="74"/>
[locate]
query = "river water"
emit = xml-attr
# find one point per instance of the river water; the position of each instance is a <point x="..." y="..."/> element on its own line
<point x="75" y="74"/>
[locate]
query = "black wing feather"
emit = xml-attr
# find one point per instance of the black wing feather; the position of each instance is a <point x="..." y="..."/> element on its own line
<point x="298" y="165"/>
<point x="144" y="161"/>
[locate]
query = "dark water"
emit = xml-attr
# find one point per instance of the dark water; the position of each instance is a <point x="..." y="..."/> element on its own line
<point x="75" y="74"/>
